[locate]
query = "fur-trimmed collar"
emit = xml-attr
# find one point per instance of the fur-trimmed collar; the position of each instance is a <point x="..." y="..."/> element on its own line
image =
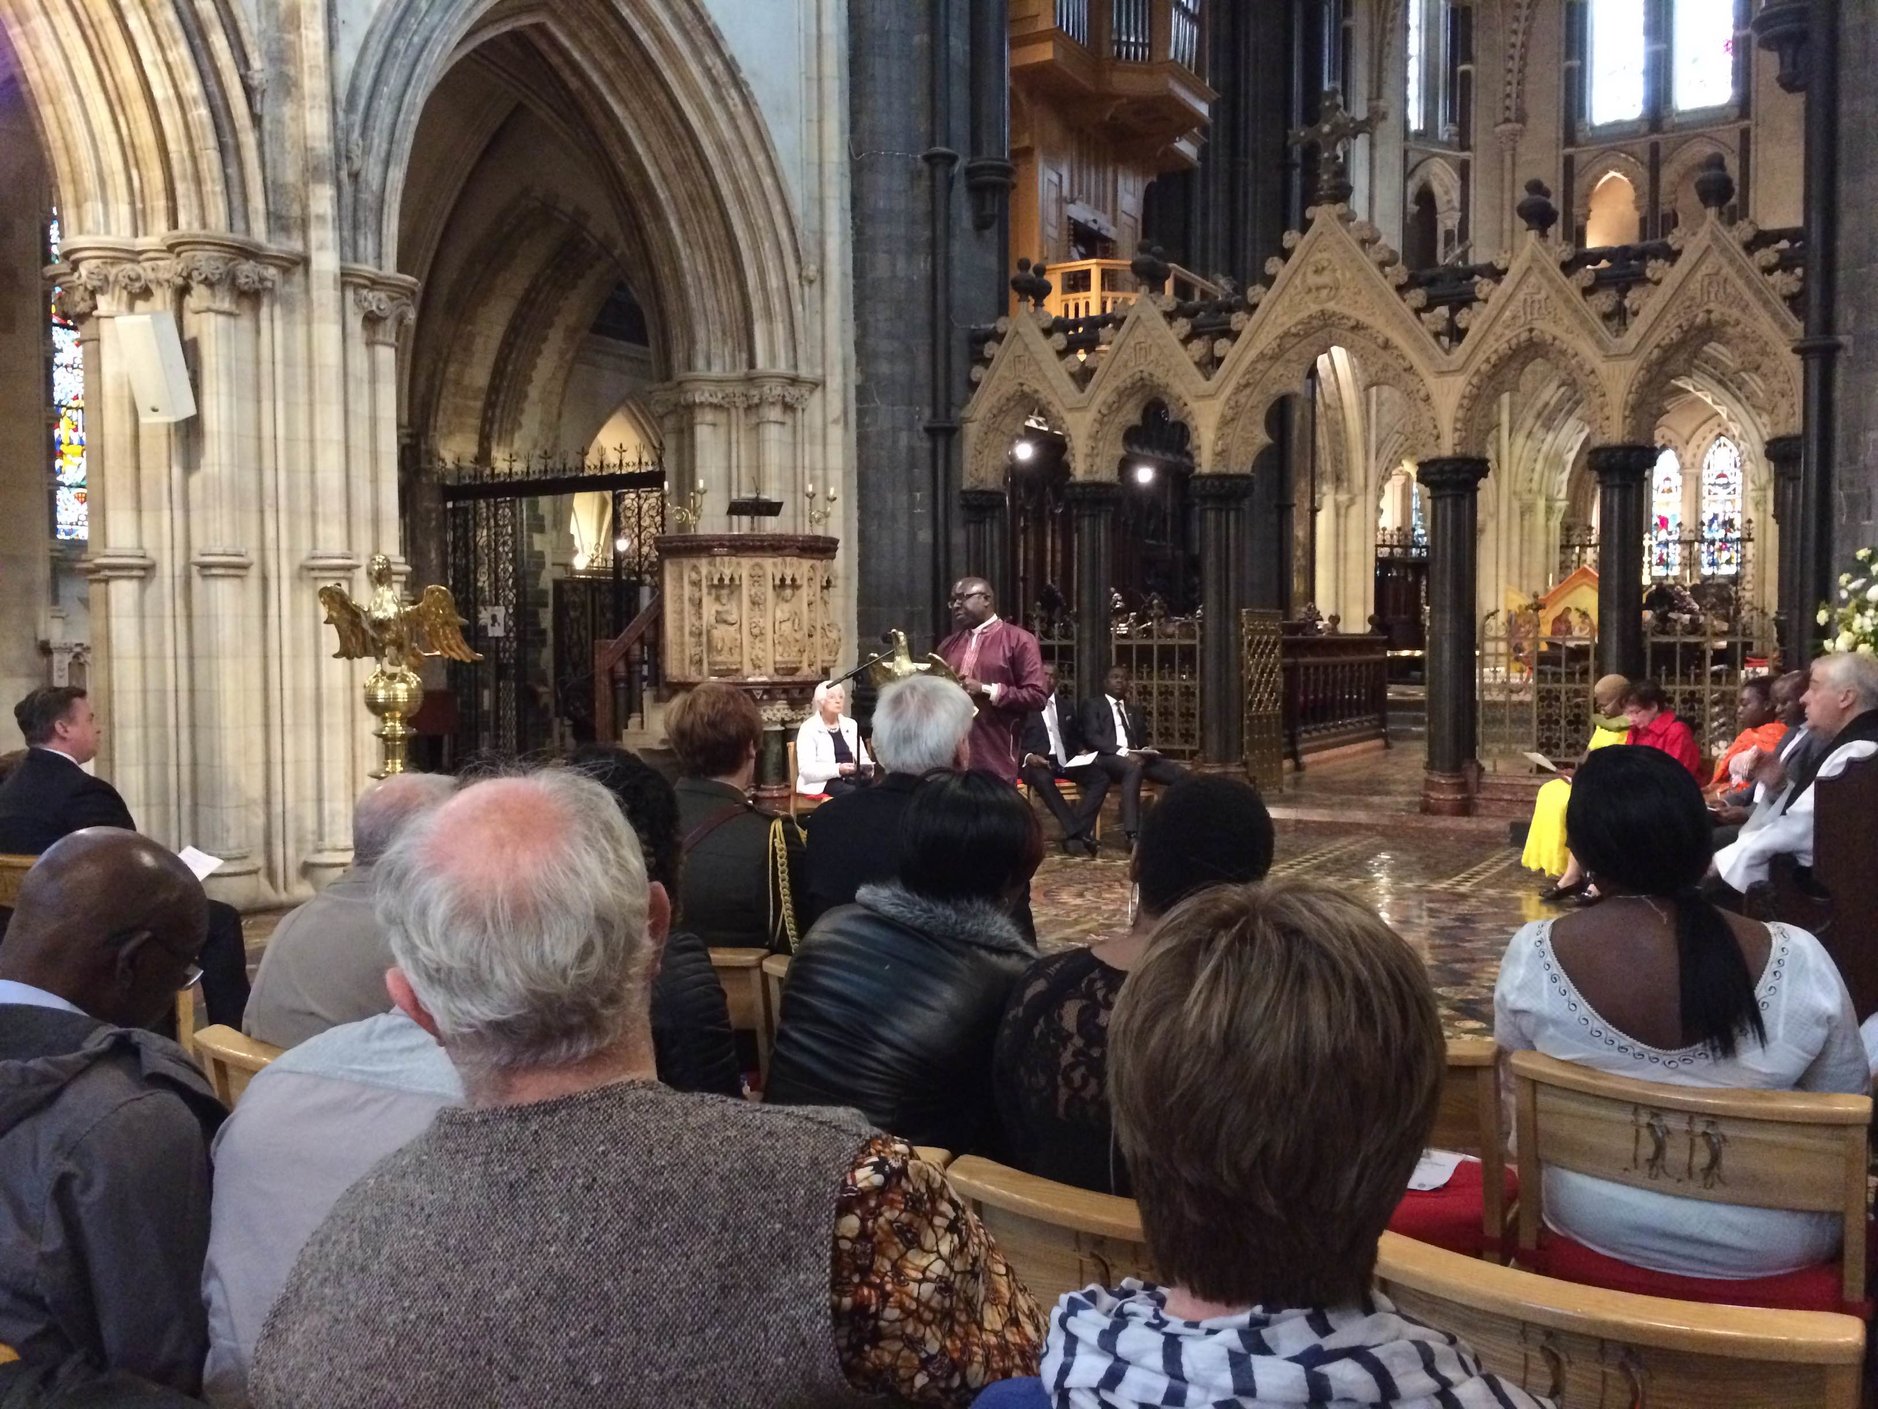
<point x="975" y="922"/>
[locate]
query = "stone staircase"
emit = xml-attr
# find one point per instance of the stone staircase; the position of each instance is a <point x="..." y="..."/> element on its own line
<point x="1408" y="713"/>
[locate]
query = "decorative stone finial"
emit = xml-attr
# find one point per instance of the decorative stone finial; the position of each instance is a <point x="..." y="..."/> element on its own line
<point x="1714" y="187"/>
<point x="1150" y="268"/>
<point x="1029" y="284"/>
<point x="1536" y="211"/>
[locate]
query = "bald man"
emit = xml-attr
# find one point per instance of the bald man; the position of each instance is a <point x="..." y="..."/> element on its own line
<point x="325" y="963"/>
<point x="1001" y="668"/>
<point x="104" y="1127"/>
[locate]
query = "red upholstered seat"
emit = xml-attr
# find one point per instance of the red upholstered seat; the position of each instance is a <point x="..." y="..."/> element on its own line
<point x="1809" y="1289"/>
<point x="1450" y="1217"/>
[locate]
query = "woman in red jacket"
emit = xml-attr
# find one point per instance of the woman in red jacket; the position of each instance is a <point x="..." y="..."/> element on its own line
<point x="1653" y="726"/>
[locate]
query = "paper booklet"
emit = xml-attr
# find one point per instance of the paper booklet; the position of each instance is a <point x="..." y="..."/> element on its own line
<point x="1540" y="761"/>
<point x="200" y="862"/>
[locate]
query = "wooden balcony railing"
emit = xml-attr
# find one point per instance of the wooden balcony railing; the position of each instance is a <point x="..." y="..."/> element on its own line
<point x="1336" y="691"/>
<point x="625" y="671"/>
<point x="1084" y="287"/>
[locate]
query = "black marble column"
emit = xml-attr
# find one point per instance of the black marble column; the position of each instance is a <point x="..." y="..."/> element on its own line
<point x="1793" y="613"/>
<point x="1222" y="500"/>
<point x="1623" y="473"/>
<point x="987" y="539"/>
<point x="1092" y="503"/>
<point x="1453" y="485"/>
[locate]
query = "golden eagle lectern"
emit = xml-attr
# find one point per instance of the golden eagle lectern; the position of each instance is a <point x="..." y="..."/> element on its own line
<point x="898" y="664"/>
<point x="398" y="634"/>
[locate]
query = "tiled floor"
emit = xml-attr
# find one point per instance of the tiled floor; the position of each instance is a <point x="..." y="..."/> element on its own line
<point x="1453" y="888"/>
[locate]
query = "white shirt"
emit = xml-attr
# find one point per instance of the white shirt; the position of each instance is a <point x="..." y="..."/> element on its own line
<point x="1121" y="725"/>
<point x="1812" y="1045"/>
<point x="1745" y="861"/>
<point x="13" y="991"/>
<point x="1058" y="754"/>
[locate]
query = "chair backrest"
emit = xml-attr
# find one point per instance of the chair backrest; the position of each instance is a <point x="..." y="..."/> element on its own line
<point x="1586" y="1348"/>
<point x="1058" y="1238"/>
<point x="229" y="1059"/>
<point x="1845" y="817"/>
<point x="13" y="871"/>
<point x="1469" y="1120"/>
<point x="740" y="971"/>
<point x="1802" y="1150"/>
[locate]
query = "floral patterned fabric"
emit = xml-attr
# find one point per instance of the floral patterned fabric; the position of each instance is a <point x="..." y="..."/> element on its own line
<point x="925" y="1306"/>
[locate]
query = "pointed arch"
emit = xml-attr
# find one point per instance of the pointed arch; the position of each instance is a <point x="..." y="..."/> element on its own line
<point x="1723" y="356"/>
<point x="1499" y="372"/>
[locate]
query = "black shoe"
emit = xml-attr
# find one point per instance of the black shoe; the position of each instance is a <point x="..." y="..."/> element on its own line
<point x="1092" y="847"/>
<point x="1556" y="894"/>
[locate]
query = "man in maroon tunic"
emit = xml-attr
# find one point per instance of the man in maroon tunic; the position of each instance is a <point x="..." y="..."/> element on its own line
<point x="1002" y="670"/>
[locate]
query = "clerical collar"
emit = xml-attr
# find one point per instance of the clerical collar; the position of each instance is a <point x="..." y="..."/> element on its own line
<point x="984" y="625"/>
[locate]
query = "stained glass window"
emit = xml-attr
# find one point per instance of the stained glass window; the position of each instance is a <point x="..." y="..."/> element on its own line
<point x="1664" y="550"/>
<point x="1617" y="50"/>
<point x="1721" y="509"/>
<point x="70" y="512"/>
<point x="1702" y="48"/>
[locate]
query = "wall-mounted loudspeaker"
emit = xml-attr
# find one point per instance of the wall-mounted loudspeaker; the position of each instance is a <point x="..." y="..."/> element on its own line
<point x="153" y="359"/>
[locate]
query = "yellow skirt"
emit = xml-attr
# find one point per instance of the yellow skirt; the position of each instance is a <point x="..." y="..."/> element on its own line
<point x="1545" y="838"/>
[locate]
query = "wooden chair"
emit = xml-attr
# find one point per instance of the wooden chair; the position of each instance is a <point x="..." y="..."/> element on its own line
<point x="1468" y="1121"/>
<point x="741" y="973"/>
<point x="1583" y="1346"/>
<point x="230" y="1060"/>
<point x="932" y="1154"/>
<point x="1058" y="1238"/>
<point x="800" y="803"/>
<point x="1799" y="1150"/>
<point x="775" y="974"/>
<point x="13" y="871"/>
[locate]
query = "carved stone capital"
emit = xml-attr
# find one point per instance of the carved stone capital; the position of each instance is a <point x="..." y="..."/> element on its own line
<point x="387" y="303"/>
<point x="119" y="564"/>
<point x="330" y="563"/>
<point x="222" y="562"/>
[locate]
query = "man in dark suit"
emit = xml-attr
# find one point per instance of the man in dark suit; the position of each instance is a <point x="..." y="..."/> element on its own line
<point x="50" y="795"/>
<point x="1112" y="728"/>
<point x="920" y="725"/>
<point x="1050" y="740"/>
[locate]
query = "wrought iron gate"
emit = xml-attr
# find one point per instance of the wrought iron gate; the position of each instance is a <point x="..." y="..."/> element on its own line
<point x="536" y="629"/>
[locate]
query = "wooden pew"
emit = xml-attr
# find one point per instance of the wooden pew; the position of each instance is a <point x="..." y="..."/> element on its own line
<point x="229" y="1060"/>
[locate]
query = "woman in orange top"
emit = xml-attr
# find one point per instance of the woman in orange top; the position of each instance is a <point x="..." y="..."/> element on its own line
<point x="1759" y="730"/>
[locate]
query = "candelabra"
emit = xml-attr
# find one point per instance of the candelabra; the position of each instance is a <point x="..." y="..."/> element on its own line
<point x="687" y="511"/>
<point x="818" y="517"/>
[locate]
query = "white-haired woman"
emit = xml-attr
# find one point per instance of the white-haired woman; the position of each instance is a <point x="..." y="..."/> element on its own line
<point x="830" y="757"/>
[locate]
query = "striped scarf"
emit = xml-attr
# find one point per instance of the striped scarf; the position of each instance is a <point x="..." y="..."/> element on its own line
<point x="1108" y="1350"/>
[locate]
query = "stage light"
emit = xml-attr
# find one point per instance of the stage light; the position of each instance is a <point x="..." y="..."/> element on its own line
<point x="1023" y="451"/>
<point x="622" y="544"/>
<point x="1144" y="474"/>
<point x="580" y="562"/>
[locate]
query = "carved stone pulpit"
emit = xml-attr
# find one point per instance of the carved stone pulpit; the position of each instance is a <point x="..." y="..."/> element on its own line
<point x="752" y="609"/>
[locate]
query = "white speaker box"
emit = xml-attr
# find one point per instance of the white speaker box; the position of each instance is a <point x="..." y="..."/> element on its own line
<point x="153" y="359"/>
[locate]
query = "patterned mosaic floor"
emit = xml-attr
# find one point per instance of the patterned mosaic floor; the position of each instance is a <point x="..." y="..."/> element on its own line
<point x="1453" y="889"/>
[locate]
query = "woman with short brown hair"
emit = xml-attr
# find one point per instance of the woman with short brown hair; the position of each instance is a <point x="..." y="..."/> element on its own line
<point x="1275" y="1062"/>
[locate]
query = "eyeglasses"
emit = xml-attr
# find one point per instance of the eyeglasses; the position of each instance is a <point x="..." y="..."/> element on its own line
<point x="956" y="598"/>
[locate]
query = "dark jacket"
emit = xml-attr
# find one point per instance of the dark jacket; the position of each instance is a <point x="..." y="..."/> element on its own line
<point x="892" y="1007"/>
<point x="104" y="1196"/>
<point x="691" y="1036"/>
<point x="1036" y="737"/>
<point x="728" y="896"/>
<point x="1097" y="722"/>
<point x="47" y="797"/>
<point x="852" y="840"/>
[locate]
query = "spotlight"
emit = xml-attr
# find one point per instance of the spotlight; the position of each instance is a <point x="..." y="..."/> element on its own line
<point x="1023" y="451"/>
<point x="580" y="562"/>
<point x="1144" y="474"/>
<point x="622" y="544"/>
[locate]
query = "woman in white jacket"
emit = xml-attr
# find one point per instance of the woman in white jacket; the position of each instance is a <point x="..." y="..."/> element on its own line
<point x="830" y="757"/>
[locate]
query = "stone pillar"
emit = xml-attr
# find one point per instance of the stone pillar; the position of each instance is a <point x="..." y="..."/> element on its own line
<point x="1453" y="485"/>
<point x="1623" y="473"/>
<point x="1222" y="500"/>
<point x="1793" y="613"/>
<point x="1093" y="504"/>
<point x="987" y="543"/>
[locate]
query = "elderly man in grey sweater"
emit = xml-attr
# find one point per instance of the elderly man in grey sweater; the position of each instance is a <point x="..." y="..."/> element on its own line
<point x="325" y="963"/>
<point x="578" y="1234"/>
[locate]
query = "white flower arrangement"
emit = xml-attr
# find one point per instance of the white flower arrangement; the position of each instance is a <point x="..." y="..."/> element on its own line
<point x="1853" y="624"/>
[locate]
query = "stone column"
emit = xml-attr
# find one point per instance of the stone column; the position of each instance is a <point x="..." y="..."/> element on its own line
<point x="1793" y="614"/>
<point x="1453" y="485"/>
<point x="1623" y="473"/>
<point x="987" y="543"/>
<point x="1093" y="504"/>
<point x="1222" y="500"/>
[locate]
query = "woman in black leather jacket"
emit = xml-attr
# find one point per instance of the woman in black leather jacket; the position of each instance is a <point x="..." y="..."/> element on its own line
<point x="892" y="1003"/>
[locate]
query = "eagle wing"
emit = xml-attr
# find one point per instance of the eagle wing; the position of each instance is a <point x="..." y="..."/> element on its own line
<point x="347" y="618"/>
<point x="436" y="629"/>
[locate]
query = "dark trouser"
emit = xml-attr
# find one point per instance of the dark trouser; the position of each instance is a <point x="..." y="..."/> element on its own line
<point x="837" y="787"/>
<point x="1092" y="781"/>
<point x="224" y="962"/>
<point x="1129" y="772"/>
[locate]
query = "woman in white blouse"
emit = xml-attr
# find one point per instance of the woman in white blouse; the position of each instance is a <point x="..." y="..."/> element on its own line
<point x="830" y="757"/>
<point x="1656" y="983"/>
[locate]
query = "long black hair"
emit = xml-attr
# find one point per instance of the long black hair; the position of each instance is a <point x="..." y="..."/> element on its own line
<point x="1636" y="822"/>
